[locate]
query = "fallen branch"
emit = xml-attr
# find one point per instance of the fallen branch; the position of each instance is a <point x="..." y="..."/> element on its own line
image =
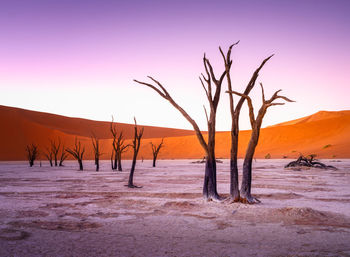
<point x="309" y="162"/>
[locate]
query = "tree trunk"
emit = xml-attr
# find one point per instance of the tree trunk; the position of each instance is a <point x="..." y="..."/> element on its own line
<point x="116" y="161"/>
<point x="209" y="187"/>
<point x="50" y="163"/>
<point x="154" y="159"/>
<point x="55" y="161"/>
<point x="97" y="162"/>
<point x="247" y="180"/>
<point x="131" y="176"/>
<point x="112" y="157"/>
<point x="246" y="196"/>
<point x="120" y="162"/>
<point x="234" y="191"/>
<point x="80" y="164"/>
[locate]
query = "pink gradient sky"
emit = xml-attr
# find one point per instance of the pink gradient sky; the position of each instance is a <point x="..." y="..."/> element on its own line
<point x="78" y="58"/>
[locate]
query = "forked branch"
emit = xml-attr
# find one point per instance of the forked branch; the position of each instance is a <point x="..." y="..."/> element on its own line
<point x="167" y="96"/>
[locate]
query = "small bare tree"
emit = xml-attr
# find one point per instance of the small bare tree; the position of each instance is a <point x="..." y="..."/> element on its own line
<point x="155" y="151"/>
<point x="55" y="148"/>
<point x="114" y="155"/>
<point x="235" y="113"/>
<point x="256" y="123"/>
<point x="77" y="152"/>
<point x="97" y="150"/>
<point x="136" y="147"/>
<point x="118" y="147"/>
<point x="121" y="149"/>
<point x="49" y="155"/>
<point x="210" y="184"/>
<point x="32" y="153"/>
<point x="63" y="156"/>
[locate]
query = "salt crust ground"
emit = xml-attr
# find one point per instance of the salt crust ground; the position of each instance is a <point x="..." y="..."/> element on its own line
<point x="55" y="211"/>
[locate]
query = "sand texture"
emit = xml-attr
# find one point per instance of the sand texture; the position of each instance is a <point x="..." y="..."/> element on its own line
<point x="56" y="211"/>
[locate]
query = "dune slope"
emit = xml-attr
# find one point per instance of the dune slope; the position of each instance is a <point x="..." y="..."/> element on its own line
<point x="326" y="134"/>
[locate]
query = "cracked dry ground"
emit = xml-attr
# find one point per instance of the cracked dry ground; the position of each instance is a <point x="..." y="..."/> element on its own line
<point x="52" y="211"/>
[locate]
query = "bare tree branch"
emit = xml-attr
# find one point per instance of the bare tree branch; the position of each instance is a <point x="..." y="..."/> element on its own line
<point x="185" y="114"/>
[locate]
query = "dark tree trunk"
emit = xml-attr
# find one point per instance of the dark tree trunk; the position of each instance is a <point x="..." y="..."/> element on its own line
<point x="97" y="163"/>
<point x="55" y="160"/>
<point x="120" y="162"/>
<point x="246" y="196"/>
<point x="112" y="161"/>
<point x="136" y="147"/>
<point x="31" y="163"/>
<point x="116" y="161"/>
<point x="155" y="155"/>
<point x="51" y="163"/>
<point x="80" y="165"/>
<point x="209" y="187"/>
<point x="132" y="170"/>
<point x="234" y="190"/>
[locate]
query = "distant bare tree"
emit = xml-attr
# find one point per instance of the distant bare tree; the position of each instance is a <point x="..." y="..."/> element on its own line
<point x="121" y="149"/>
<point x="136" y="147"/>
<point x="77" y="152"/>
<point x="254" y="139"/>
<point x="114" y="155"/>
<point x="49" y="155"/>
<point x="155" y="151"/>
<point x="210" y="184"/>
<point x="97" y="150"/>
<point x="235" y="113"/>
<point x="118" y="147"/>
<point x="63" y="156"/>
<point x="32" y="153"/>
<point x="55" y="148"/>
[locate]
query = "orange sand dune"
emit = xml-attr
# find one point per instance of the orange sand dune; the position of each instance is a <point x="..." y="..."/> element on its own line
<point x="20" y="127"/>
<point x="326" y="134"/>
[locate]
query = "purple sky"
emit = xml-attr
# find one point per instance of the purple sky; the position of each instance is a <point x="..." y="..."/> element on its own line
<point x="78" y="58"/>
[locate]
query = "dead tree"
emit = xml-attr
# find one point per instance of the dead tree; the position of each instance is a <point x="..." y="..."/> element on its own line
<point x="49" y="155"/>
<point x="235" y="113"/>
<point x="308" y="162"/>
<point x="118" y="147"/>
<point x="136" y="147"/>
<point x="97" y="150"/>
<point x="255" y="122"/>
<point x="210" y="185"/>
<point x="32" y="153"/>
<point x="155" y="151"/>
<point x="63" y="156"/>
<point x="77" y="152"/>
<point x="114" y="155"/>
<point x="55" y="148"/>
<point x="121" y="149"/>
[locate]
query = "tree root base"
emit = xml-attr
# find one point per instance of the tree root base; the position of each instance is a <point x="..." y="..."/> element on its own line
<point x="249" y="200"/>
<point x="132" y="186"/>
